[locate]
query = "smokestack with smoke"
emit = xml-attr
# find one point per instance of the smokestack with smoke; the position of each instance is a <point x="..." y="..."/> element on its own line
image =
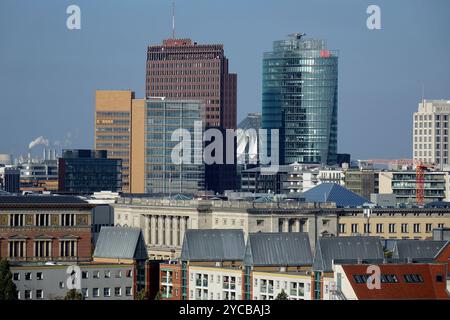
<point x="34" y="143"/>
<point x="38" y="141"/>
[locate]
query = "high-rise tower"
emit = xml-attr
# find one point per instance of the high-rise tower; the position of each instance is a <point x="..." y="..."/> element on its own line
<point x="299" y="97"/>
<point x="180" y="69"/>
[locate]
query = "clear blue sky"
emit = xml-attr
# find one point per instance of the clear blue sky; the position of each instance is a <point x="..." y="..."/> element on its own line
<point x="48" y="74"/>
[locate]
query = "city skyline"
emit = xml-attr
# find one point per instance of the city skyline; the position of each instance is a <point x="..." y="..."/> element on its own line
<point x="68" y="66"/>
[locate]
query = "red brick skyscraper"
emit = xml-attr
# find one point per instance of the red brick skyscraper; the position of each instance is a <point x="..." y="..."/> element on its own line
<point x="182" y="69"/>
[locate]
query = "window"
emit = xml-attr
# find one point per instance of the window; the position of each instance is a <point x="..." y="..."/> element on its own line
<point x="360" y="278"/>
<point x="379" y="228"/>
<point x="107" y="274"/>
<point x="96" y="274"/>
<point x="404" y="228"/>
<point x="366" y="227"/>
<point x="341" y="227"/>
<point x="85" y="292"/>
<point x="129" y="273"/>
<point x="119" y="274"/>
<point x="128" y="291"/>
<point x="61" y="285"/>
<point x="391" y="227"/>
<point x="416" y="227"/>
<point x="67" y="248"/>
<point x="428" y="227"/>
<point x="39" y="294"/>
<point x="106" y="292"/>
<point x="39" y="276"/>
<point x="95" y="292"/>
<point x="389" y="278"/>
<point x="27" y="295"/>
<point x="27" y="275"/>
<point x="118" y="291"/>
<point x="354" y="228"/>
<point x="413" y="278"/>
<point x="16" y="276"/>
<point x="84" y="275"/>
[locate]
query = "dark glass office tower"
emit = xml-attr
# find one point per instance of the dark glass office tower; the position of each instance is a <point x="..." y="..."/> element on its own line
<point x="300" y="84"/>
<point x="88" y="171"/>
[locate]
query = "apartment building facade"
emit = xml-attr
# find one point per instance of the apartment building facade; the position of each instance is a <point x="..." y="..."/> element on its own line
<point x="96" y="281"/>
<point x="403" y="185"/>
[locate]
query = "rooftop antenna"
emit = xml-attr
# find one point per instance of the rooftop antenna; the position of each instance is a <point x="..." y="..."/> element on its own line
<point x="423" y="94"/>
<point x="173" y="19"/>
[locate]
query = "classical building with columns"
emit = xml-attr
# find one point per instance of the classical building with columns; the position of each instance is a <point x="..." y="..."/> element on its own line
<point x="164" y="221"/>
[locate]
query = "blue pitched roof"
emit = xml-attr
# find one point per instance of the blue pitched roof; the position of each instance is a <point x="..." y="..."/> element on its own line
<point x="332" y="192"/>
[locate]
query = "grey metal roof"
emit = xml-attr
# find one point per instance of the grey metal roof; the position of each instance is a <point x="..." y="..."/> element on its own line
<point x="340" y="248"/>
<point x="44" y="199"/>
<point x="120" y="243"/>
<point x="417" y="249"/>
<point x="278" y="249"/>
<point x="213" y="245"/>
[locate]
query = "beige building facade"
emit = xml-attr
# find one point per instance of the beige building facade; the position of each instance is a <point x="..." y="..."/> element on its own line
<point x="411" y="223"/>
<point x="119" y="129"/>
<point x="164" y="221"/>
<point x="430" y="132"/>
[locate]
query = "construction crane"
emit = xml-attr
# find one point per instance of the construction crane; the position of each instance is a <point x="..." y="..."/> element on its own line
<point x="420" y="172"/>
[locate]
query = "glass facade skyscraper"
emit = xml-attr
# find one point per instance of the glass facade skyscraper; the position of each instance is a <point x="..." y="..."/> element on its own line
<point x="162" y="175"/>
<point x="89" y="171"/>
<point x="299" y="97"/>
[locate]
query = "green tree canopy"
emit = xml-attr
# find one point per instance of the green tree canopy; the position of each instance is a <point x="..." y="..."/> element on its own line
<point x="73" y="294"/>
<point x="8" y="290"/>
<point x="282" y="295"/>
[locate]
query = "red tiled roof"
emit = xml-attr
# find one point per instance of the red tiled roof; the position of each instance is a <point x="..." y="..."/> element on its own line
<point x="402" y="290"/>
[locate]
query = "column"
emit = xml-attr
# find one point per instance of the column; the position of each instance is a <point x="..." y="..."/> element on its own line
<point x="147" y="234"/>
<point x="153" y="230"/>
<point x="167" y="231"/>
<point x="175" y="231"/>
<point x="160" y="230"/>
<point x="75" y="247"/>
<point x="285" y="225"/>
<point x="297" y="225"/>
<point x="182" y="228"/>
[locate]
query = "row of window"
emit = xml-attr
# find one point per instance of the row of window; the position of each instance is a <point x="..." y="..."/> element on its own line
<point x="42" y="248"/>
<point x="186" y="79"/>
<point x="41" y="219"/>
<point x="392" y="278"/>
<point x="429" y="117"/>
<point x="39" y="293"/>
<point x="233" y="222"/>
<point x="392" y="227"/>
<point x="183" y="64"/>
<point x="84" y="275"/>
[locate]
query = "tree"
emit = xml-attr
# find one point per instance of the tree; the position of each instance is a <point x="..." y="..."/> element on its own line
<point x="388" y="254"/>
<point x="8" y="290"/>
<point x="158" y="295"/>
<point x="141" y="295"/>
<point x="73" y="294"/>
<point x="282" y="295"/>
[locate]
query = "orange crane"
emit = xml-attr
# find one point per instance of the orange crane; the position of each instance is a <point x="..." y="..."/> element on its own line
<point x="420" y="172"/>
